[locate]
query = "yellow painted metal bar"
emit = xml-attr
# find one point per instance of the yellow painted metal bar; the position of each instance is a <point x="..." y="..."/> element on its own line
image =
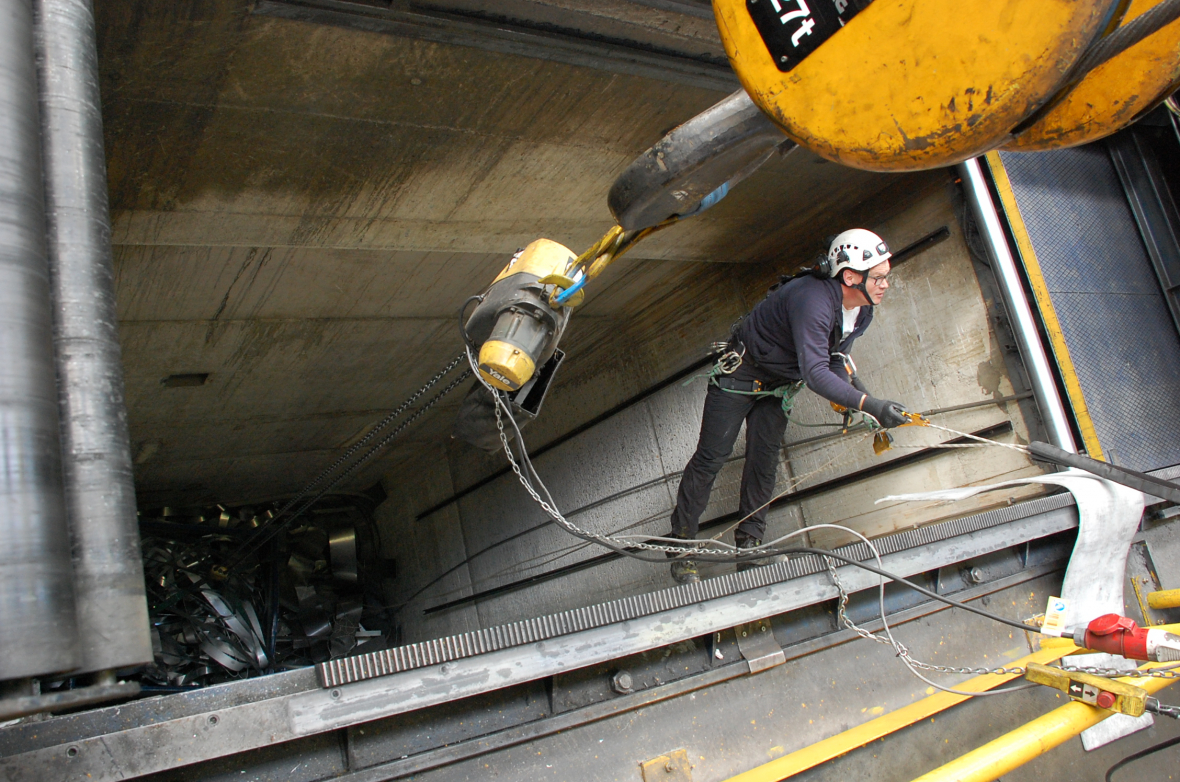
<point x="1012" y="750"/>
<point x="1036" y="279"/>
<point x="1168" y="598"/>
<point x="823" y="751"/>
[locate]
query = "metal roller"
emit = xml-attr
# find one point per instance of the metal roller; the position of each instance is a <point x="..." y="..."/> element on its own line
<point x="37" y="632"/>
<point x="96" y="448"/>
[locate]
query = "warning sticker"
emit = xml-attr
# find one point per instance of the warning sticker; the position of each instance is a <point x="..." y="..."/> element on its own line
<point x="793" y="29"/>
<point x="1055" y="617"/>
<point x="1086" y="693"/>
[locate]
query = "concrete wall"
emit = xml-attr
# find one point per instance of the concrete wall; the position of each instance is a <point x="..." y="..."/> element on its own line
<point x="931" y="346"/>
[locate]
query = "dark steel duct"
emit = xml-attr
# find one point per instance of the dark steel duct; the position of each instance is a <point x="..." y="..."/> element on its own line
<point x="37" y="633"/>
<point x="96" y="451"/>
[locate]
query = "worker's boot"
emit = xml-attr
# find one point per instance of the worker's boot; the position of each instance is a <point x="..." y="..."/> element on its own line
<point x="683" y="570"/>
<point x="745" y="542"/>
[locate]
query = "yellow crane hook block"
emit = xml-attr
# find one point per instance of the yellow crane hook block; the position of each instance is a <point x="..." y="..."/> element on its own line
<point x="1109" y="97"/>
<point x="896" y="85"/>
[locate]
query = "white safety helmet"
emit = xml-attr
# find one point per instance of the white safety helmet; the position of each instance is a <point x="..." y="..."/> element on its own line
<point x="856" y="249"/>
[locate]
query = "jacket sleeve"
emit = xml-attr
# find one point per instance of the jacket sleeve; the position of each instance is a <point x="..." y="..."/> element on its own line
<point x="811" y="323"/>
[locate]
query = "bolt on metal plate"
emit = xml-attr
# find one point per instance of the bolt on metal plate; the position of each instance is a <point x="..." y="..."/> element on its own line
<point x="756" y="643"/>
<point x="672" y="767"/>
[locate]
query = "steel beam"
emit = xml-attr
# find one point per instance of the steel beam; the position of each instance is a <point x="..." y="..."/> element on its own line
<point x="454" y="753"/>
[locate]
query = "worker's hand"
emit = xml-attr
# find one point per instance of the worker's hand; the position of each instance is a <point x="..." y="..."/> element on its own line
<point x="888" y="414"/>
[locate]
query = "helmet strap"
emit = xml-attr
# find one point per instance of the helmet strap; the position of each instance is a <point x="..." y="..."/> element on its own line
<point x="861" y="286"/>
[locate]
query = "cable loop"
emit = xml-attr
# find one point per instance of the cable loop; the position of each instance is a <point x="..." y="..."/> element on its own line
<point x="719" y="548"/>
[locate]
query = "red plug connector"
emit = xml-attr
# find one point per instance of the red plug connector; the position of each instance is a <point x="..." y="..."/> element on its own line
<point x="1119" y="635"/>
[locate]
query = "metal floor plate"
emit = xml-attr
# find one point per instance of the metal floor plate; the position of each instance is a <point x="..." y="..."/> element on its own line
<point x="1116" y="325"/>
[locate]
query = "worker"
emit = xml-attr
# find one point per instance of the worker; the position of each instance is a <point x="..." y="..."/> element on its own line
<point x="799" y="335"/>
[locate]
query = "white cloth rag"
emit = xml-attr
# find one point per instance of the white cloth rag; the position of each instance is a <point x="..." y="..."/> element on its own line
<point x="1108" y="517"/>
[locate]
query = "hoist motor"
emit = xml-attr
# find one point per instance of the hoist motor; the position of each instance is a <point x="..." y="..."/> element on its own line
<point x="516" y="329"/>
<point x="514" y="326"/>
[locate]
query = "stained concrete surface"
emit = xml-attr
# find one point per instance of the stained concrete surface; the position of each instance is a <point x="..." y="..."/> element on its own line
<point x="299" y="209"/>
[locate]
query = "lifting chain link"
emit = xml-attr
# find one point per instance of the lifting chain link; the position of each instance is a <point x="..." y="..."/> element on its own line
<point x="1162" y="709"/>
<point x="384" y="422"/>
<point x="686" y="548"/>
<point x="902" y="651"/>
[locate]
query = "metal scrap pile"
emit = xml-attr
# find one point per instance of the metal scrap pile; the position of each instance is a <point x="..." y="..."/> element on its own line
<point x="309" y="595"/>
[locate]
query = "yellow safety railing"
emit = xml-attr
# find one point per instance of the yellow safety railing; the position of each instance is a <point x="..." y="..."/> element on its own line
<point x="985" y="764"/>
<point x="1012" y="750"/>
<point x="834" y="746"/>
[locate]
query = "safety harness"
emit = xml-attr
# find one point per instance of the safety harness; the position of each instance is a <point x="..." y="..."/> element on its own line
<point x="728" y="363"/>
<point x="733" y="353"/>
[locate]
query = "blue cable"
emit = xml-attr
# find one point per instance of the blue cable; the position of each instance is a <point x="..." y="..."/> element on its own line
<point x="564" y="296"/>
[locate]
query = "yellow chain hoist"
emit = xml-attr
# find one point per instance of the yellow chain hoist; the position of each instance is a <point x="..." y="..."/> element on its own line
<point x="522" y="315"/>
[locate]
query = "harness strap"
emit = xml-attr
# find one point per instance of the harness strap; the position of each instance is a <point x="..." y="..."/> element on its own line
<point x="740" y="386"/>
<point x="786" y="393"/>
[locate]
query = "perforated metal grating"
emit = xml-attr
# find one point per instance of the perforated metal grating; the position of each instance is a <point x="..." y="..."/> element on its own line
<point x="1124" y="347"/>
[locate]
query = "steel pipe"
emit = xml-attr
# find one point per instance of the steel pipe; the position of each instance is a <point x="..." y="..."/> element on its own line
<point x="1012" y="750"/>
<point x="96" y="449"/>
<point x="1024" y="327"/>
<point x="37" y="633"/>
<point x="855" y="737"/>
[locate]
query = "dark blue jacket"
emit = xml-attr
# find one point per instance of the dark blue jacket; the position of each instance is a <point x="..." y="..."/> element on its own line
<point x="793" y="332"/>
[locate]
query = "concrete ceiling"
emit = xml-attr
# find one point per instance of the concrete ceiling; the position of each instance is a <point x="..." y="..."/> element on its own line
<point x="303" y="193"/>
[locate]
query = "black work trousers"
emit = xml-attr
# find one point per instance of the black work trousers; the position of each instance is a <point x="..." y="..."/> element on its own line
<point x="724" y="413"/>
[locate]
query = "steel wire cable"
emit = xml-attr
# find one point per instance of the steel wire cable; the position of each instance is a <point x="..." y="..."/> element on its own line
<point x="728" y="553"/>
<point x="664" y="479"/>
<point x="723" y="553"/>
<point x="264" y="534"/>
<point x="1141" y="754"/>
<point x="1151" y="21"/>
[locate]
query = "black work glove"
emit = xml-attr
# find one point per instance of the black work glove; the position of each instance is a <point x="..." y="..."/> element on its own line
<point x="888" y="414"/>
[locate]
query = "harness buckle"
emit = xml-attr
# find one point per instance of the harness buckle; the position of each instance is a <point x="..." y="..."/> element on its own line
<point x="729" y="361"/>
